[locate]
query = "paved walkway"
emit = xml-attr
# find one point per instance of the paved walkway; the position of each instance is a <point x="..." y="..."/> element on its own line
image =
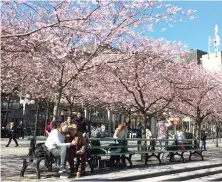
<point x="11" y="163"/>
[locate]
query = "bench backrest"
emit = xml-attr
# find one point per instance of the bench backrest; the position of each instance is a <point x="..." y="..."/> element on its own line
<point x="126" y="144"/>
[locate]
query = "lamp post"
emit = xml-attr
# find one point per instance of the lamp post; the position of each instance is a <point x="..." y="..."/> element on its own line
<point x="26" y="100"/>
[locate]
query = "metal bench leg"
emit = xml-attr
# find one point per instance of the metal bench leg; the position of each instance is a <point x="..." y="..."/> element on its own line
<point x="24" y="166"/>
<point x="182" y="156"/>
<point x="172" y="154"/>
<point x="191" y="153"/>
<point x="171" y="157"/>
<point x="200" y="153"/>
<point x="123" y="159"/>
<point x="129" y="160"/>
<point x="146" y="158"/>
<point x="91" y="165"/>
<point x="37" y="170"/>
<point x="195" y="152"/>
<point x="157" y="156"/>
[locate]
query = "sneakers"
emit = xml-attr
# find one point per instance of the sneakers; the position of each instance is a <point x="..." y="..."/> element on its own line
<point x="62" y="169"/>
<point x="65" y="175"/>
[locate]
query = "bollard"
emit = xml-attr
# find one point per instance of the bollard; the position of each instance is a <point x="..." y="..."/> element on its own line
<point x="78" y="175"/>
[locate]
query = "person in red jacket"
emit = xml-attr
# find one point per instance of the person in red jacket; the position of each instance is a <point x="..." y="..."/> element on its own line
<point x="49" y="128"/>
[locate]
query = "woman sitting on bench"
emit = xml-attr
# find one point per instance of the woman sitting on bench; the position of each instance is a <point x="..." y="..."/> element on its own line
<point x="78" y="150"/>
<point x="55" y="144"/>
<point x="121" y="131"/>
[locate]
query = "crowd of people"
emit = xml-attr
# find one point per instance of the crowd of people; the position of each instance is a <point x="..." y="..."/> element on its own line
<point x="67" y="138"/>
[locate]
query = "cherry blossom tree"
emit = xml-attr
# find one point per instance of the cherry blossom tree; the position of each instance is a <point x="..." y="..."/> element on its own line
<point x="56" y="41"/>
<point x="198" y="93"/>
<point x="138" y="82"/>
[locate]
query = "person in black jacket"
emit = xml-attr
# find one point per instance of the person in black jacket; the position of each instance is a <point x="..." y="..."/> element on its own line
<point x="83" y="125"/>
<point x="21" y="130"/>
<point x="60" y="119"/>
<point x="203" y="139"/>
<point x="12" y="133"/>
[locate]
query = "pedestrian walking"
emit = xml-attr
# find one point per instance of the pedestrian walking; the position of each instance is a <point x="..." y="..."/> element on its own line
<point x="139" y="135"/>
<point x="12" y="133"/>
<point x="203" y="139"/>
<point x="21" y="132"/>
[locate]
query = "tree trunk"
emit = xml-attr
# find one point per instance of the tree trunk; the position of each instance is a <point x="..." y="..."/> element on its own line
<point x="217" y="140"/>
<point x="46" y="116"/>
<point x="199" y="132"/>
<point x="217" y="134"/>
<point x="56" y="106"/>
<point x="37" y="118"/>
<point x="195" y="130"/>
<point x="70" y="110"/>
<point x="143" y="143"/>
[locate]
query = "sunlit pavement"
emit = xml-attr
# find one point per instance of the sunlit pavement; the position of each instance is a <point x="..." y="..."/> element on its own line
<point x="11" y="163"/>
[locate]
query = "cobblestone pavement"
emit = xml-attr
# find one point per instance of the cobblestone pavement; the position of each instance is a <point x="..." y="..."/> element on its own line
<point x="11" y="163"/>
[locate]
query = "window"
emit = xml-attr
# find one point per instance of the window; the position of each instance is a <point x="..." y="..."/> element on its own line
<point x="13" y="104"/>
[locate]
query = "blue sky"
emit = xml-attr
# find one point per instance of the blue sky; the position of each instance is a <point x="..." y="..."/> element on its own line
<point x="195" y="32"/>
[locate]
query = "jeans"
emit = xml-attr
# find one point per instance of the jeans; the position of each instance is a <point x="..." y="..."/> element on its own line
<point x="203" y="145"/>
<point x="62" y="152"/>
<point x="72" y="154"/>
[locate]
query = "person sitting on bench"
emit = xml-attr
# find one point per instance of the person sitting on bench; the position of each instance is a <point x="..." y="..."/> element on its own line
<point x="78" y="150"/>
<point x="121" y="131"/>
<point x="55" y="144"/>
<point x="181" y="137"/>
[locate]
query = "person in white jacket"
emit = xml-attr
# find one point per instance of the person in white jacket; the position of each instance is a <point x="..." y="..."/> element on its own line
<point x="55" y="144"/>
<point x="148" y="137"/>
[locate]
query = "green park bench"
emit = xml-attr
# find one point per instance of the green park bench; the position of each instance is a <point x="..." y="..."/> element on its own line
<point x="118" y="152"/>
<point x="126" y="151"/>
<point x="114" y="148"/>
<point x="172" y="147"/>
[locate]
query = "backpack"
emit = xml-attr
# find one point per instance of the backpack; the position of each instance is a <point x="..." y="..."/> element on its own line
<point x="94" y="143"/>
<point x="40" y="150"/>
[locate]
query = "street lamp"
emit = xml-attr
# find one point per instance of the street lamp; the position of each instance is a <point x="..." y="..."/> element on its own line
<point x="24" y="101"/>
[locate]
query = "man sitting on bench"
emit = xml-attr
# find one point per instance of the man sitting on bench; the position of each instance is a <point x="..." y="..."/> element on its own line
<point x="77" y="150"/>
<point x="55" y="144"/>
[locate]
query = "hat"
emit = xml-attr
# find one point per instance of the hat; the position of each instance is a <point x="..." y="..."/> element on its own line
<point x="72" y="126"/>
